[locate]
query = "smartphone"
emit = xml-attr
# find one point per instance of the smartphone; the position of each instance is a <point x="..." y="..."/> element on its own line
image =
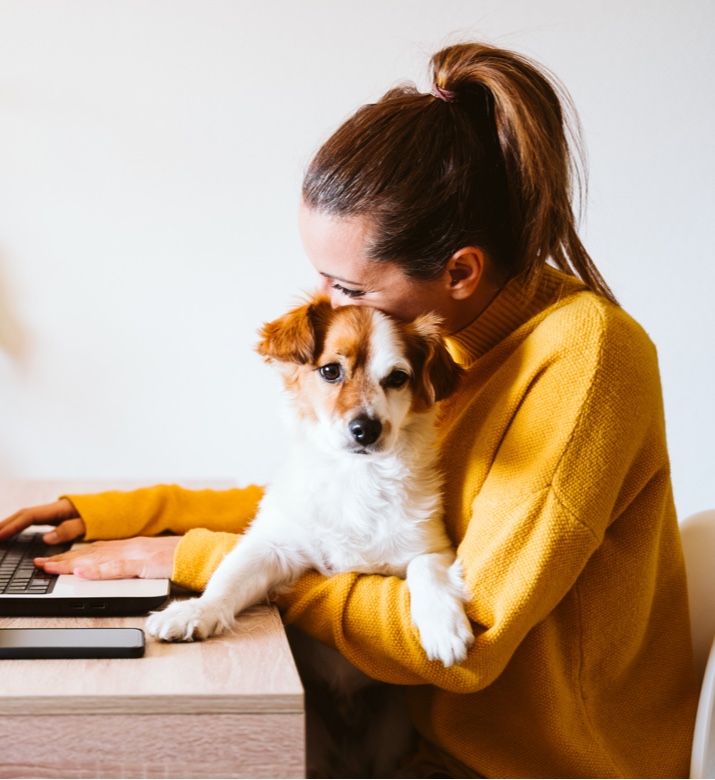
<point x="71" y="643"/>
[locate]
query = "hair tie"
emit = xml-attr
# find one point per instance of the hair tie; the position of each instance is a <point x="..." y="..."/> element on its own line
<point x="444" y="94"/>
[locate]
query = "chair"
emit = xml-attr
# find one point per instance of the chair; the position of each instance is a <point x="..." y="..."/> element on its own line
<point x="698" y="537"/>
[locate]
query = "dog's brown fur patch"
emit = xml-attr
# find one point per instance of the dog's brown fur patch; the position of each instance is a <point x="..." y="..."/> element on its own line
<point x="348" y="342"/>
<point x="436" y="374"/>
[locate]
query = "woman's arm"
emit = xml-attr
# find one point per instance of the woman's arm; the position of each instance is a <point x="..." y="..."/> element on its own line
<point x="124" y="516"/>
<point x="165" y="508"/>
<point x="516" y="577"/>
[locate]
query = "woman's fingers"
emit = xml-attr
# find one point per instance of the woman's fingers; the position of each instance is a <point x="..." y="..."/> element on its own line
<point x="111" y="570"/>
<point x="145" y="557"/>
<point x="89" y="568"/>
<point x="66" y="531"/>
<point x="60" y="564"/>
<point x="45" y="514"/>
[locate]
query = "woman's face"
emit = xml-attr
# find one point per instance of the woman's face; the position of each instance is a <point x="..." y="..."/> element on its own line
<point x="337" y="249"/>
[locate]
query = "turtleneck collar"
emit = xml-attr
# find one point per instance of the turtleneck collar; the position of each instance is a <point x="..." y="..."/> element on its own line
<point x="511" y="308"/>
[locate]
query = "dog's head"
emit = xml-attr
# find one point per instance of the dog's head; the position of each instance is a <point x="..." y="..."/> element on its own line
<point x="357" y="374"/>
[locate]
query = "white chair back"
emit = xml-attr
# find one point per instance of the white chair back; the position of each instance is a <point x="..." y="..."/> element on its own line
<point x="698" y="535"/>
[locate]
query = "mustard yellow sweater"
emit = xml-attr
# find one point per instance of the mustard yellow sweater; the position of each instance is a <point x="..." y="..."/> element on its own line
<point x="559" y="501"/>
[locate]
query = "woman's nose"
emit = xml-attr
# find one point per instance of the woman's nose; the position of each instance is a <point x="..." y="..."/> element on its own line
<point x="326" y="286"/>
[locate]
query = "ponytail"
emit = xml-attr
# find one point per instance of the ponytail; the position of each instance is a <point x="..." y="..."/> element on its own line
<point x="484" y="160"/>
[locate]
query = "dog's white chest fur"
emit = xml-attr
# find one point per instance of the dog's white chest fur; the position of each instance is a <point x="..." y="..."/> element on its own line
<point x="358" y="514"/>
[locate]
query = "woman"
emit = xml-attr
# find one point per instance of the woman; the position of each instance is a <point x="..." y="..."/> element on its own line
<point x="558" y="491"/>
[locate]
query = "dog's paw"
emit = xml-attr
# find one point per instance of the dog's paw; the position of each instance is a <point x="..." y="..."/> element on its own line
<point x="184" y="621"/>
<point x="445" y="631"/>
<point x="445" y="634"/>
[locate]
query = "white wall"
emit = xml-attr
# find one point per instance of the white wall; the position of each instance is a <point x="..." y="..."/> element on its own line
<point x="151" y="153"/>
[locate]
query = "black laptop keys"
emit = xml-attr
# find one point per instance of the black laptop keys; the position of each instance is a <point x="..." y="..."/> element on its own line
<point x="18" y="574"/>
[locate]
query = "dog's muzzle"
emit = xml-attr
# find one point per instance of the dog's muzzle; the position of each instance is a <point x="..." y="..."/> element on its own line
<point x="365" y="430"/>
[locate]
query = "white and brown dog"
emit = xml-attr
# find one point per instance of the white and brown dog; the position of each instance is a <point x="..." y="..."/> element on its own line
<point x="361" y="492"/>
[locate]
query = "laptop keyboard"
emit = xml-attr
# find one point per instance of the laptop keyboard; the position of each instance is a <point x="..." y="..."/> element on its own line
<point x="18" y="574"/>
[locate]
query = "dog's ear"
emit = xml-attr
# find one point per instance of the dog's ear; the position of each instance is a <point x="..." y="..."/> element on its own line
<point x="436" y="374"/>
<point x="297" y="337"/>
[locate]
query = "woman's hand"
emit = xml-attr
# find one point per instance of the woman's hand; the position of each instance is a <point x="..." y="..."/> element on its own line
<point x="144" y="557"/>
<point x="148" y="558"/>
<point x="61" y="513"/>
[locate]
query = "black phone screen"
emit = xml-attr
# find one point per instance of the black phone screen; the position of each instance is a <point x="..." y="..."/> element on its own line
<point x="71" y="643"/>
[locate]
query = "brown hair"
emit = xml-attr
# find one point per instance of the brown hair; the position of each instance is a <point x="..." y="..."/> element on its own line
<point x="485" y="161"/>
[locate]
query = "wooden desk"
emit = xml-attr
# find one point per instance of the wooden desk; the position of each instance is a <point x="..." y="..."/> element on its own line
<point x="228" y="707"/>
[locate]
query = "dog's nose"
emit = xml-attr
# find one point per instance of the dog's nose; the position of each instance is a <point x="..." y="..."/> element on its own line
<point x="365" y="430"/>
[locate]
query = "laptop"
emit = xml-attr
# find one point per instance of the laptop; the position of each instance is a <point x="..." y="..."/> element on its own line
<point x="26" y="591"/>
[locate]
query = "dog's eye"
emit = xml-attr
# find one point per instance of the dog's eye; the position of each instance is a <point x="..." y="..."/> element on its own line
<point x="396" y="379"/>
<point x="331" y="372"/>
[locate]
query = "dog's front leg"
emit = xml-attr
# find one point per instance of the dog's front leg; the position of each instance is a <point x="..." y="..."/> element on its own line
<point x="256" y="565"/>
<point x="437" y="598"/>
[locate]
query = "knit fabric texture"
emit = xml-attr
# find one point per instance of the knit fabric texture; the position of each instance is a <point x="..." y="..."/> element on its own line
<point x="558" y="500"/>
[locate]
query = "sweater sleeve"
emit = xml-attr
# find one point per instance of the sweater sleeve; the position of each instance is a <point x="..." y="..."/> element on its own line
<point x="563" y="470"/>
<point x="367" y="617"/>
<point x="198" y="555"/>
<point x="165" y="508"/>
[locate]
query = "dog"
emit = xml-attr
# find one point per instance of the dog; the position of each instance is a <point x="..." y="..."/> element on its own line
<point x="361" y="491"/>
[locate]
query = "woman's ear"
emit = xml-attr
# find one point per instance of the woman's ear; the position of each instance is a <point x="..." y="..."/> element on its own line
<point x="297" y="337"/>
<point x="464" y="271"/>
